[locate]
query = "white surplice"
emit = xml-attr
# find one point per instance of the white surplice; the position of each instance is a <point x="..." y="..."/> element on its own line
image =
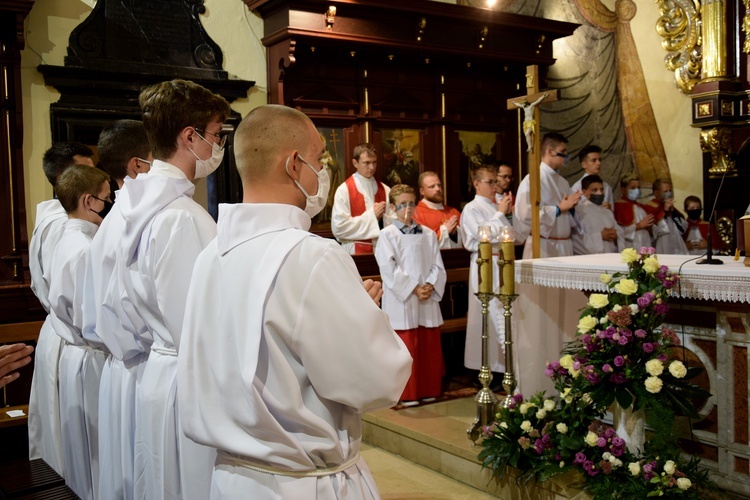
<point x="594" y="219"/>
<point x="554" y="230"/>
<point x="45" y="438"/>
<point x="111" y="323"/>
<point x="670" y="241"/>
<point x="165" y="230"/>
<point x="347" y="229"/>
<point x="407" y="261"/>
<point x="638" y="238"/>
<point x="482" y="211"/>
<point x="282" y="350"/>
<point x="609" y="196"/>
<point x="80" y="364"/>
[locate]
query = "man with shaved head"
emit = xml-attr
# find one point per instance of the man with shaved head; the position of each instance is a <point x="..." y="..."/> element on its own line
<point x="282" y="347"/>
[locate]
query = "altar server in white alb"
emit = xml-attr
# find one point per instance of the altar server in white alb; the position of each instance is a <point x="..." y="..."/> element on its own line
<point x="45" y="440"/>
<point x="359" y="205"/>
<point x="165" y="230"/>
<point x="282" y="347"/>
<point x="601" y="233"/>
<point x="85" y="195"/>
<point x="556" y="221"/>
<point x="591" y="162"/>
<point x="109" y="320"/>
<point x="482" y="211"/>
<point x="411" y="267"/>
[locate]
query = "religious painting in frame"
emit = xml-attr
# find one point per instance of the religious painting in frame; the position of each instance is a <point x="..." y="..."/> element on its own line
<point x="334" y="159"/>
<point x="474" y="149"/>
<point x="402" y="155"/>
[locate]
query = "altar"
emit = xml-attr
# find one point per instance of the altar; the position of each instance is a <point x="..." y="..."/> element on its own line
<point x="709" y="311"/>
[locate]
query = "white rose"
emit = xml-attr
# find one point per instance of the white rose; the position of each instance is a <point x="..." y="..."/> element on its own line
<point x="653" y="385"/>
<point x="684" y="483"/>
<point x="541" y="414"/>
<point x="524" y="408"/>
<point x="603" y="320"/>
<point x="607" y="456"/>
<point x="654" y="367"/>
<point x="503" y="425"/>
<point x="616" y="308"/>
<point x="526" y="426"/>
<point x="562" y="428"/>
<point x="616" y="462"/>
<point x="549" y="404"/>
<point x="634" y="468"/>
<point x="591" y="439"/>
<point x="669" y="467"/>
<point x="562" y="464"/>
<point x="677" y="369"/>
<point x="633" y="308"/>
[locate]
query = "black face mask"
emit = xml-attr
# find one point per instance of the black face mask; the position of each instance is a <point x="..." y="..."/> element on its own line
<point x="694" y="214"/>
<point x="104" y="211"/>
<point x="597" y="198"/>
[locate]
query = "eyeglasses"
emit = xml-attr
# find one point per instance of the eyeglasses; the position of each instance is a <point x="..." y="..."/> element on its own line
<point x="107" y="200"/>
<point x="221" y="136"/>
<point x="491" y="182"/>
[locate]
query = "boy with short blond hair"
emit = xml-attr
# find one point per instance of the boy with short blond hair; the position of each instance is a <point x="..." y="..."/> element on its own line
<point x="414" y="277"/>
<point x="84" y="193"/>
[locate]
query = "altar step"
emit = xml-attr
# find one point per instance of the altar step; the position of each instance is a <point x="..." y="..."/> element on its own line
<point x="434" y="436"/>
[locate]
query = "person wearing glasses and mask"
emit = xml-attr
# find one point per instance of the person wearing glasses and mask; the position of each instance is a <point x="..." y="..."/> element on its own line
<point x="84" y="193"/>
<point x="556" y="221"/>
<point x="151" y="240"/>
<point x="483" y="211"/>
<point x="669" y="223"/>
<point x="283" y="348"/>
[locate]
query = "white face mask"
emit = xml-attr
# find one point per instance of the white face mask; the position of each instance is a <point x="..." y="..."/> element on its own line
<point x="317" y="202"/>
<point x="204" y="168"/>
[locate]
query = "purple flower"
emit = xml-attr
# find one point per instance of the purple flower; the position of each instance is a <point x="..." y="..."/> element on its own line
<point x="617" y="450"/>
<point x="662" y="357"/>
<point x="577" y="365"/>
<point x="549" y="372"/>
<point x="546" y="438"/>
<point x="640" y="333"/>
<point x="644" y="300"/>
<point x="611" y="330"/>
<point x="579" y="459"/>
<point x="647" y="251"/>
<point x="589" y="467"/>
<point x="558" y="457"/>
<point x="586" y="338"/>
<point x="648" y="347"/>
<point x="623" y="340"/>
<point x="617" y="440"/>
<point x="662" y="308"/>
<point x="593" y="378"/>
<point x="539" y="446"/>
<point x="607" y="368"/>
<point x="601" y="442"/>
<point x="617" y="378"/>
<point x="518" y="398"/>
<point x="619" y="361"/>
<point x="609" y="433"/>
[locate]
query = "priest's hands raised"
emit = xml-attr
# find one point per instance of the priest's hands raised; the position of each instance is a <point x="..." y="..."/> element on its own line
<point x="13" y="357"/>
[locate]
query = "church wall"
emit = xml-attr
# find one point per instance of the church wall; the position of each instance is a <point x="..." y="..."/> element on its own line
<point x="238" y="32"/>
<point x="48" y="27"/>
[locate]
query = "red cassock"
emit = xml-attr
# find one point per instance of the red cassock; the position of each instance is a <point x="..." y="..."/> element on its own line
<point x="427" y="369"/>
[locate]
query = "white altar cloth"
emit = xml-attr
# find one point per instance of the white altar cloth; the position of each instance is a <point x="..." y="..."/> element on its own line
<point x="551" y="297"/>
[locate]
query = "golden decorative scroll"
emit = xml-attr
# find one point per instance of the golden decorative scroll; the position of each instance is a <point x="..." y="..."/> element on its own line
<point x="642" y="133"/>
<point x="680" y="27"/>
<point x="718" y="142"/>
<point x="746" y="27"/>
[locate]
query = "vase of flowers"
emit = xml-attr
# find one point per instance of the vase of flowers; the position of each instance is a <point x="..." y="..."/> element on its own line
<point x="622" y="360"/>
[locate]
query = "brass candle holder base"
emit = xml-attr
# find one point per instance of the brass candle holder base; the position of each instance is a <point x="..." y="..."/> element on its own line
<point x="485" y="398"/>
<point x="509" y="379"/>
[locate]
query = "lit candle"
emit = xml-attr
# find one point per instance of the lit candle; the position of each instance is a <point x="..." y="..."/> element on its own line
<point x="485" y="259"/>
<point x="507" y="251"/>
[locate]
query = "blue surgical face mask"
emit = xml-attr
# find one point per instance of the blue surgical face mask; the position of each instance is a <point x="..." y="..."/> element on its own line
<point x="667" y="195"/>
<point x="634" y="194"/>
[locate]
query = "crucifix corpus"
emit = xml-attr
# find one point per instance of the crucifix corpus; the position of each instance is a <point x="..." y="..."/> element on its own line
<point x="529" y="104"/>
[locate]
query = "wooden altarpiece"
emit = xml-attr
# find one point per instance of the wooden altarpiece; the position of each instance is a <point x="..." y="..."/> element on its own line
<point x="424" y="81"/>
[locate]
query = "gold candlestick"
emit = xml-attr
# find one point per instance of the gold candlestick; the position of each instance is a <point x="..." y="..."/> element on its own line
<point x="484" y="262"/>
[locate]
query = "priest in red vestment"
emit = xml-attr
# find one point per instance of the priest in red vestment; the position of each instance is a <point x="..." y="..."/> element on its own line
<point x="431" y="212"/>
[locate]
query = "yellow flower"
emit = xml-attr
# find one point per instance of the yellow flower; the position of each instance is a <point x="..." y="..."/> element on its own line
<point x="598" y="300"/>
<point x="566" y="361"/>
<point x="549" y="404"/>
<point x="587" y="323"/>
<point x="526" y="426"/>
<point x="605" y="278"/>
<point x="524" y="408"/>
<point x="562" y="428"/>
<point x="669" y="467"/>
<point x="635" y="468"/>
<point x="654" y="367"/>
<point x="626" y="286"/>
<point x="629" y="255"/>
<point x="651" y="265"/>
<point x="591" y="439"/>
<point x="677" y="369"/>
<point x="653" y="384"/>
<point x="541" y="414"/>
<point x="566" y="395"/>
<point x="684" y="483"/>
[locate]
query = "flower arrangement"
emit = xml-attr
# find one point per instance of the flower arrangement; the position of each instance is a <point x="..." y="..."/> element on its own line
<point x="621" y="354"/>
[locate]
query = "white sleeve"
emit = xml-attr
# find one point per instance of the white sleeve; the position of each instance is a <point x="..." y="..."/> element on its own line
<point x="394" y="277"/>
<point x="348" y="228"/>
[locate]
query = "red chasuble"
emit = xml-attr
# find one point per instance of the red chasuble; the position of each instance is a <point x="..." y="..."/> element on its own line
<point x="432" y="218"/>
<point x="357" y="207"/>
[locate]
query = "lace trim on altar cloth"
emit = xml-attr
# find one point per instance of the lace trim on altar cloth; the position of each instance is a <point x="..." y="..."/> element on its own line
<point x="727" y="283"/>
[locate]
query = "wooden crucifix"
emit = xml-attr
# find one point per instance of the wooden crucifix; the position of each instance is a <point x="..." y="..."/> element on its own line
<point x="529" y="104"/>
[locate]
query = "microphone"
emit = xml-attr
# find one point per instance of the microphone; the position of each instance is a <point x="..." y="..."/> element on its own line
<point x="709" y="254"/>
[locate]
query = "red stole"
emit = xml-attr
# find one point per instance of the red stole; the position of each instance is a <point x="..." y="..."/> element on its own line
<point x="704" y="227"/>
<point x="625" y="212"/>
<point x="655" y="208"/>
<point x="357" y="207"/>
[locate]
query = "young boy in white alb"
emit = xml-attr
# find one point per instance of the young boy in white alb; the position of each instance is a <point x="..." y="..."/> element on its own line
<point x="413" y="283"/>
<point x="601" y="234"/>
